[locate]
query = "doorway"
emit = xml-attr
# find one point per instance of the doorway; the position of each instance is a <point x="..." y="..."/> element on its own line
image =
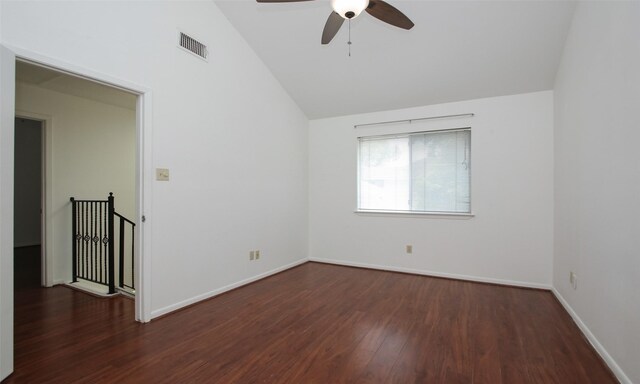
<point x="143" y="179"/>
<point x="27" y="204"/>
<point x="91" y="148"/>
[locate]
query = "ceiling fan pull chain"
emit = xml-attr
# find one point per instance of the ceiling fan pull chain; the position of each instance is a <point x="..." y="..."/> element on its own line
<point x="349" y="43"/>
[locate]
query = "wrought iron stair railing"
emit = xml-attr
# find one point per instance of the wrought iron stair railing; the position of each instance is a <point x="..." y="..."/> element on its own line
<point x="93" y="244"/>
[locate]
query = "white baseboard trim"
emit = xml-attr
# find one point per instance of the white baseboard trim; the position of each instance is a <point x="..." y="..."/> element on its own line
<point x="615" y="368"/>
<point x="216" y="292"/>
<point x="511" y="283"/>
<point x="90" y="289"/>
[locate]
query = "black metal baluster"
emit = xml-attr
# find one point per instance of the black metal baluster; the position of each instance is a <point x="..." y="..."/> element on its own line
<point x="73" y="240"/>
<point x="96" y="240"/>
<point x="121" y="256"/>
<point x="90" y="244"/>
<point x="80" y="227"/>
<point x="112" y="288"/>
<point x="87" y="240"/>
<point x="96" y="245"/>
<point x="94" y="249"/>
<point x="103" y="242"/>
<point x="93" y="244"/>
<point x="96" y="260"/>
<point x="133" y="273"/>
<point x="81" y="255"/>
<point x="84" y="240"/>
<point x="78" y="238"/>
<point x="99" y="243"/>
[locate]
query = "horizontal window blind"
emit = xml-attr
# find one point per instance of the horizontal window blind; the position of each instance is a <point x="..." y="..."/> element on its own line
<point x="416" y="172"/>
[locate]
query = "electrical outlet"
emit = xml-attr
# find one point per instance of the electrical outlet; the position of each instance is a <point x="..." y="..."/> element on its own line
<point x="257" y="255"/>
<point x="409" y="248"/>
<point x="252" y="255"/>
<point x="573" y="280"/>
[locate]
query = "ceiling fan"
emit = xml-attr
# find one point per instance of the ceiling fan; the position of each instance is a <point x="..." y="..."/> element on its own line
<point x="349" y="9"/>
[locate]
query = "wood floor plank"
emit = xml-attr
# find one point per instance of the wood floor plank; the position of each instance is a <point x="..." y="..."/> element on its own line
<point x="315" y="323"/>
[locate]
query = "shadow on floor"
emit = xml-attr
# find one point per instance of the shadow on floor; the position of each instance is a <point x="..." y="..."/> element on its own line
<point x="27" y="267"/>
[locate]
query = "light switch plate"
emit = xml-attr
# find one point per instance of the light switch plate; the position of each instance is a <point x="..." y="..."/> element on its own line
<point x="162" y="174"/>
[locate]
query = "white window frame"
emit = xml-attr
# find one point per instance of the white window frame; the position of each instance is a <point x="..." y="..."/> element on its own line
<point x="382" y="212"/>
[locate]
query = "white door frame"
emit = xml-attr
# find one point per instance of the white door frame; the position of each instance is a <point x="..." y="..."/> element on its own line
<point x="7" y="130"/>
<point x="8" y="56"/>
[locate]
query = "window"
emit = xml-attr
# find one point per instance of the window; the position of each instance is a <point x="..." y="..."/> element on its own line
<point x="415" y="172"/>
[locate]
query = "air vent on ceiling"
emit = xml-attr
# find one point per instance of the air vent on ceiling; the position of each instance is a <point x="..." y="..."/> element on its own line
<point x="194" y="46"/>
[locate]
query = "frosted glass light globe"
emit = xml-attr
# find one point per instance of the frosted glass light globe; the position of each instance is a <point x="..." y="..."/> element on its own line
<point x="343" y="7"/>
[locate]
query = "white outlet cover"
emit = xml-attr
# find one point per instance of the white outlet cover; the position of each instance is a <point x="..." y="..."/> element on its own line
<point x="573" y="280"/>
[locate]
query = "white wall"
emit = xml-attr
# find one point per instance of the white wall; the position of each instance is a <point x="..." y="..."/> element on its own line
<point x="92" y="152"/>
<point x="597" y="184"/>
<point x="28" y="181"/>
<point x="234" y="141"/>
<point x="509" y="239"/>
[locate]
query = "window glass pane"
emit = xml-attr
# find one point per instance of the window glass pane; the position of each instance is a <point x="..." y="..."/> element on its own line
<point x="384" y="174"/>
<point x="425" y="172"/>
<point x="439" y="173"/>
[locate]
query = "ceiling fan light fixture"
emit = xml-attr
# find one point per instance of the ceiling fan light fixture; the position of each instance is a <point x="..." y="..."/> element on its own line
<point x="349" y="9"/>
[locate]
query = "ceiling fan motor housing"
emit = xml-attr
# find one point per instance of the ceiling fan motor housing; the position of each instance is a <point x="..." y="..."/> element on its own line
<point x="349" y="9"/>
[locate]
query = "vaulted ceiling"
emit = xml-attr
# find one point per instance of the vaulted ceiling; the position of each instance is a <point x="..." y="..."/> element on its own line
<point x="458" y="50"/>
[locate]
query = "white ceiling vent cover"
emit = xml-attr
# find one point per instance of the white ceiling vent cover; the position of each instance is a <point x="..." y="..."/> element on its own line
<point x="192" y="45"/>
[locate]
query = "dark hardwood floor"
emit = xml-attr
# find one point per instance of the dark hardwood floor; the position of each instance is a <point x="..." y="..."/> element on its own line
<point x="312" y="324"/>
